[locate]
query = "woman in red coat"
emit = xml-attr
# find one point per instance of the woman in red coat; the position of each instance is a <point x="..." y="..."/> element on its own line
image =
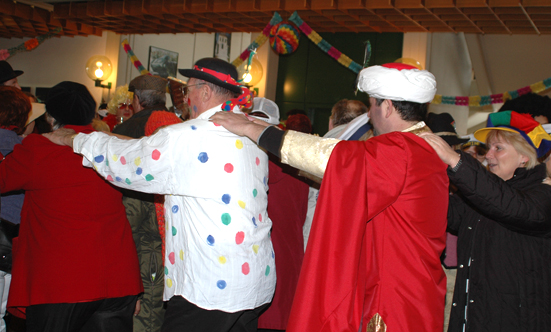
<point x="75" y="266"/>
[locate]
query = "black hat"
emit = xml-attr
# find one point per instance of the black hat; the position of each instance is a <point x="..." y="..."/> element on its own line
<point x="7" y="73"/>
<point x="70" y="103"/>
<point x="443" y="125"/>
<point x="215" y="71"/>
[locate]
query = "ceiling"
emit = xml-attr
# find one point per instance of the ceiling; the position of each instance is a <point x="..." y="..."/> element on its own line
<point x="31" y="18"/>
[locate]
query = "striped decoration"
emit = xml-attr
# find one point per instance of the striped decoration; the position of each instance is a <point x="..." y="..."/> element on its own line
<point x="134" y="58"/>
<point x="259" y="41"/>
<point x="323" y="45"/>
<point x="499" y="98"/>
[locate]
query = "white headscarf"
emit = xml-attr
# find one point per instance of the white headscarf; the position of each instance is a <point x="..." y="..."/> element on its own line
<point x="387" y="82"/>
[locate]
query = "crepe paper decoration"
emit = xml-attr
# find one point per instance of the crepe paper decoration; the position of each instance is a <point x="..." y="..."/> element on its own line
<point x="137" y="63"/>
<point x="478" y="101"/>
<point x="284" y="38"/>
<point x="324" y="45"/>
<point x="28" y="45"/>
<point x="259" y="41"/>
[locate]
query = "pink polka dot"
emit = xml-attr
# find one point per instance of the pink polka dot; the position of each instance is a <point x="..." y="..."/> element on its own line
<point x="123" y="160"/>
<point x="239" y="237"/>
<point x="257" y="161"/>
<point x="216" y="124"/>
<point x="228" y="168"/>
<point x="109" y="178"/>
<point x="171" y="258"/>
<point x="156" y="154"/>
<point x="245" y="268"/>
<point x="259" y="217"/>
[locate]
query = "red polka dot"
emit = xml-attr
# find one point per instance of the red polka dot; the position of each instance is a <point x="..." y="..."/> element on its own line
<point x="156" y="154"/>
<point x="109" y="178"/>
<point x="228" y="168"/>
<point x="216" y="124"/>
<point x="245" y="268"/>
<point x="171" y="258"/>
<point x="259" y="217"/>
<point x="239" y="237"/>
<point x="257" y="161"/>
<point x="123" y="160"/>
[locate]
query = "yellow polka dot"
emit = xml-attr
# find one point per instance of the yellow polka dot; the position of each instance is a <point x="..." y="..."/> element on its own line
<point x="238" y="144"/>
<point x="241" y="204"/>
<point x="222" y="260"/>
<point x="115" y="157"/>
<point x="181" y="255"/>
<point x="137" y="161"/>
<point x="169" y="282"/>
<point x="255" y="248"/>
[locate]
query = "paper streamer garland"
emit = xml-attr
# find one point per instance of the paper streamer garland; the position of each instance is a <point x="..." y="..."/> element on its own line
<point x="259" y="41"/>
<point x="499" y="98"/>
<point x="323" y="45"/>
<point x="134" y="58"/>
<point x="28" y="45"/>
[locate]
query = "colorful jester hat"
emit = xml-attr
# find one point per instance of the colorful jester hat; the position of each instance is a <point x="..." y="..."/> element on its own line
<point x="514" y="122"/>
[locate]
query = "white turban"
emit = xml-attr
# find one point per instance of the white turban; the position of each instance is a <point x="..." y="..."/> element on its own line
<point x="413" y="85"/>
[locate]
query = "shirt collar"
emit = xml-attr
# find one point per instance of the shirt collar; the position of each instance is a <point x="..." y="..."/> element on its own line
<point x="218" y="108"/>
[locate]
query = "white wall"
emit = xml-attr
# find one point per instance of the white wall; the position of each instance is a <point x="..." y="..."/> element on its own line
<point x="56" y="60"/>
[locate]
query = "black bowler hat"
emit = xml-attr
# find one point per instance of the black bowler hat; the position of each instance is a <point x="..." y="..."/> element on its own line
<point x="443" y="125"/>
<point x="71" y="104"/>
<point x="215" y="71"/>
<point x="7" y="73"/>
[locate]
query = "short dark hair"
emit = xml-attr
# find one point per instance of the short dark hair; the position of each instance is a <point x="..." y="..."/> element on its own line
<point x="15" y="108"/>
<point x="346" y="110"/>
<point x="408" y="110"/>
<point x="149" y="98"/>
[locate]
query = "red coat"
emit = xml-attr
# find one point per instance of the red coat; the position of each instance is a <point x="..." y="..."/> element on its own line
<point x="376" y="240"/>
<point x="287" y="207"/>
<point x="75" y="243"/>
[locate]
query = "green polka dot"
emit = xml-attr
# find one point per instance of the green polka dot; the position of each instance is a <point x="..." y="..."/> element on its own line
<point x="255" y="192"/>
<point x="226" y="218"/>
<point x="149" y="177"/>
<point x="106" y="162"/>
<point x="174" y="231"/>
<point x="128" y="181"/>
<point x="166" y="271"/>
<point x="267" y="270"/>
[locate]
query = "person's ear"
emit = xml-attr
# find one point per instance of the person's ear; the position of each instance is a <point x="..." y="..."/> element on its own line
<point x="388" y="108"/>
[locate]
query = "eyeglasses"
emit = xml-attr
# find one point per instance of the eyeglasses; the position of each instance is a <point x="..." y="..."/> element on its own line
<point x="185" y="88"/>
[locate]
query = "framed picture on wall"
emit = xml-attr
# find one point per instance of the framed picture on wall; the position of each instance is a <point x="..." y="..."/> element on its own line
<point x="162" y="62"/>
<point x="222" y="45"/>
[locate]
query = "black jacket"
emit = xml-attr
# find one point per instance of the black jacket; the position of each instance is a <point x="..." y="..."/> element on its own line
<point x="504" y="234"/>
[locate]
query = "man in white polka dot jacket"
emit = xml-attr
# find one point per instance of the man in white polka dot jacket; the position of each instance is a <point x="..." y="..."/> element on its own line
<point x="219" y="261"/>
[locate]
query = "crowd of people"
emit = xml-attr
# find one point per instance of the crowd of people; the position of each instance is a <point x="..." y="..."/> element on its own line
<point x="234" y="220"/>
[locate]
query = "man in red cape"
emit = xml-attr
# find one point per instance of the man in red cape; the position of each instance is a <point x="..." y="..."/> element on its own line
<point x="373" y="257"/>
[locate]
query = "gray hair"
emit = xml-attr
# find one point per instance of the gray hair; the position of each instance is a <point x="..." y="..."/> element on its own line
<point x="220" y="91"/>
<point x="149" y="98"/>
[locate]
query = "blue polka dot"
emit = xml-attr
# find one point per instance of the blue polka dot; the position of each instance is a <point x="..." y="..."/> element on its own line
<point x="139" y="170"/>
<point x="99" y="159"/>
<point x="221" y="284"/>
<point x="273" y="254"/>
<point x="265" y="180"/>
<point x="193" y="128"/>
<point x="203" y="157"/>
<point x="226" y="198"/>
<point x="118" y="179"/>
<point x="254" y="222"/>
<point x="174" y="208"/>
<point x="210" y="240"/>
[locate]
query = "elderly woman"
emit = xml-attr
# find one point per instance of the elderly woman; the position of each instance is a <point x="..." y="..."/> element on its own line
<point x="75" y="266"/>
<point x="503" y="220"/>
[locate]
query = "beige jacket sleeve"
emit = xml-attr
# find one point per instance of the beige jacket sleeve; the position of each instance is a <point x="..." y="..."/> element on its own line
<point x="307" y="152"/>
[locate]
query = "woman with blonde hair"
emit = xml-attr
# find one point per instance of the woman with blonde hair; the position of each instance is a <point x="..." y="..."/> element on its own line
<point x="119" y="107"/>
<point x="502" y="217"/>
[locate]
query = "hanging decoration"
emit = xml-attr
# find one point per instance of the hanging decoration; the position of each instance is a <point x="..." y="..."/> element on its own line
<point x="284" y="38"/>
<point x="137" y="63"/>
<point x="499" y="98"/>
<point x="367" y="54"/>
<point x="250" y="72"/>
<point x="324" y="45"/>
<point x="28" y="45"/>
<point x="259" y="41"/>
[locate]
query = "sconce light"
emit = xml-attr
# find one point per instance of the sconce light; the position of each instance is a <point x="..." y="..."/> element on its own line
<point x="250" y="72"/>
<point x="99" y="68"/>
